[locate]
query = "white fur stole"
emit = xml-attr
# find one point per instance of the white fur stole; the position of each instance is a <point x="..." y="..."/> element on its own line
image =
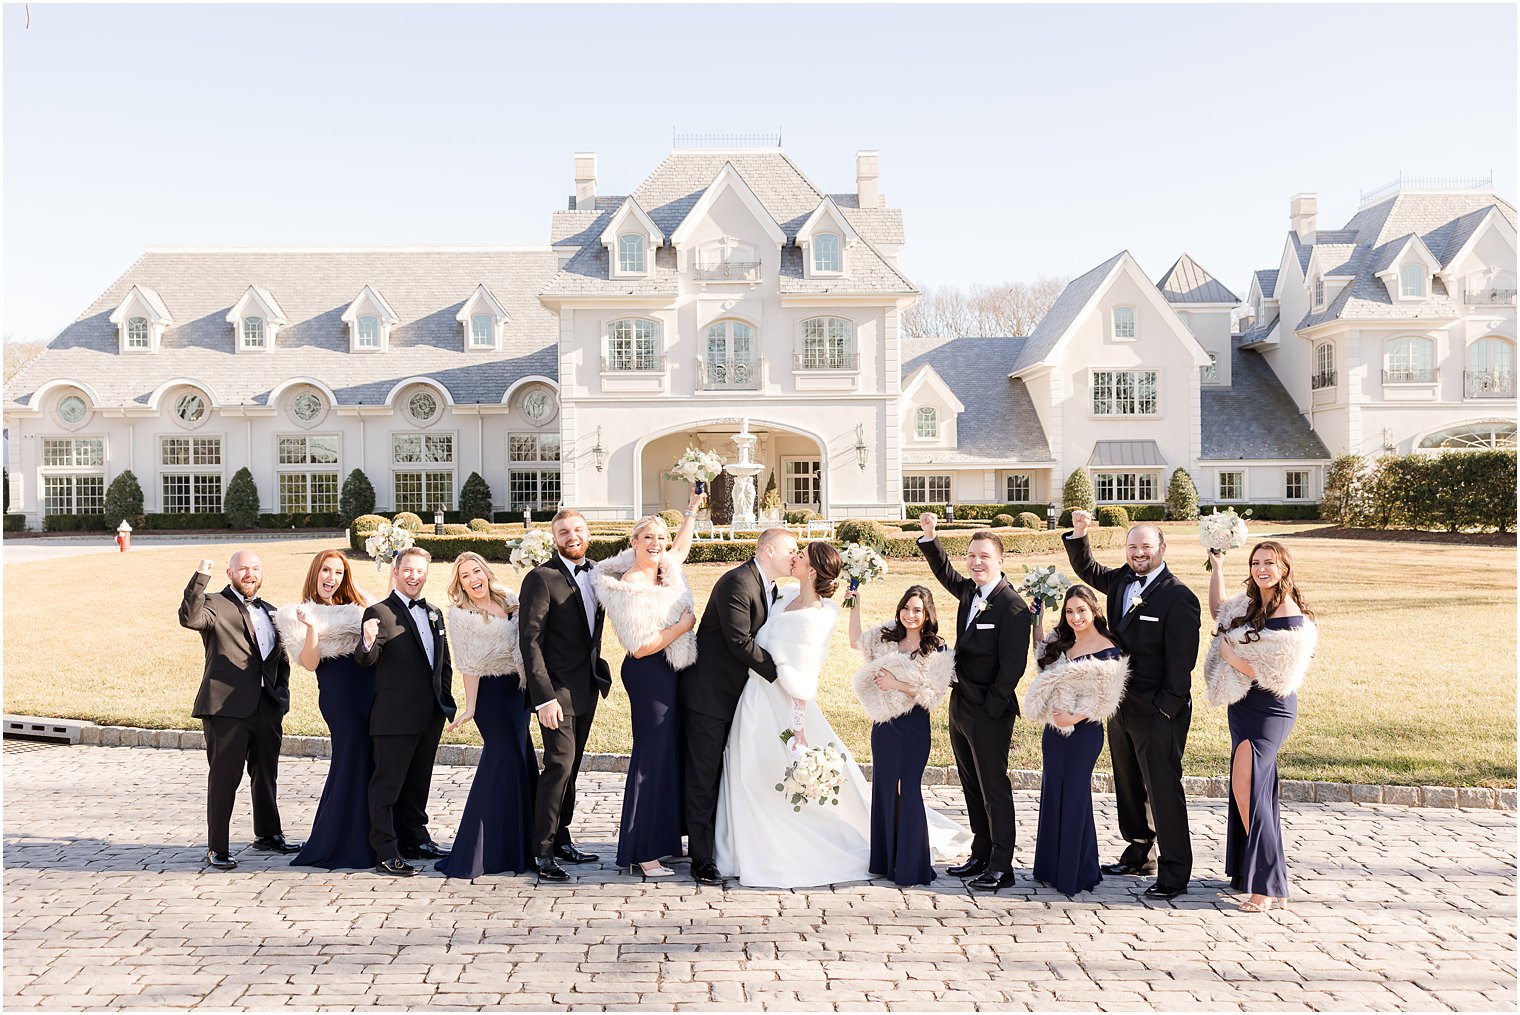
<point x="931" y="673"/>
<point x="337" y="629"/>
<point x="1089" y="687"/>
<point x="483" y="646"/>
<point x="798" y="643"/>
<point x="640" y="612"/>
<point x="1280" y="658"/>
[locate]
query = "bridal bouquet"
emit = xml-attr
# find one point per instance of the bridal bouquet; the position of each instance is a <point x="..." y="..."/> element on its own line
<point x="387" y="541"/>
<point x="861" y="565"/>
<point x="1044" y="585"/>
<point x="815" y="777"/>
<point x="697" y="467"/>
<point x="1221" y="532"/>
<point x="533" y="549"/>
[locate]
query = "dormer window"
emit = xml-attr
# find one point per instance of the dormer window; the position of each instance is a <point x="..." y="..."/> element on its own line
<point x="483" y="320"/>
<point x="825" y="239"/>
<point x="630" y="240"/>
<point x="630" y="254"/>
<point x="370" y="320"/>
<point x="141" y="320"/>
<point x="1124" y="322"/>
<point x="482" y="331"/>
<point x="137" y="333"/>
<point x="826" y="253"/>
<point x="369" y="332"/>
<point x="926" y="423"/>
<point x="253" y="333"/>
<point x="1319" y="290"/>
<point x="256" y="319"/>
<point x="1412" y="281"/>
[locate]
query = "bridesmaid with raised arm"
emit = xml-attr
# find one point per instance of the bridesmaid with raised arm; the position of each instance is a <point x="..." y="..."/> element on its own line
<point x="652" y="609"/>
<point x="496" y="830"/>
<point x="1261" y="651"/>
<point x="906" y="675"/>
<point x="325" y="626"/>
<point x="1078" y="687"/>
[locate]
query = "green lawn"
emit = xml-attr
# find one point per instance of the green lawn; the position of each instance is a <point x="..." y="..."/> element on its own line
<point x="1414" y="682"/>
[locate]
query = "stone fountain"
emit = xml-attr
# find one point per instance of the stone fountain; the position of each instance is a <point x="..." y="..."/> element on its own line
<point x="744" y="472"/>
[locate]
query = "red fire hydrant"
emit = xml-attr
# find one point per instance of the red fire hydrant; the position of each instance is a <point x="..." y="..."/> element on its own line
<point x="123" y="536"/>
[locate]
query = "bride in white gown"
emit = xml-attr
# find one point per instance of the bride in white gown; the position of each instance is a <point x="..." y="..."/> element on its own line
<point x="760" y="839"/>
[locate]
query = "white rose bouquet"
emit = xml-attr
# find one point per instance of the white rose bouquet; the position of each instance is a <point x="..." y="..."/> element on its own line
<point x="1221" y="532"/>
<point x="815" y="777"/>
<point x="697" y="467"/>
<point x="533" y="549"/>
<point x="861" y="565"/>
<point x="1044" y="585"/>
<point x="387" y="541"/>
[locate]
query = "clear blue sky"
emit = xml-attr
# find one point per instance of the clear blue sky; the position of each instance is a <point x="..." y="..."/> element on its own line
<point x="1019" y="141"/>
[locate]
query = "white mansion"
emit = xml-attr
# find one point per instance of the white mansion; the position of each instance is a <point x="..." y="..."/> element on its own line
<point x="728" y="286"/>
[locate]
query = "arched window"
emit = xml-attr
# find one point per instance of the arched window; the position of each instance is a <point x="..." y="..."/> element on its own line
<point x="137" y="333"/>
<point x="631" y="254"/>
<point x="1319" y="290"/>
<point x="1410" y="359"/>
<point x="1412" y="280"/>
<point x="1324" y="367"/>
<point x="828" y="343"/>
<point x="1490" y="369"/>
<point x="369" y="332"/>
<point x="633" y="344"/>
<point x="826" y="256"/>
<point x="730" y="355"/>
<point x="1124" y="322"/>
<point x="927" y="422"/>
<point x="482" y="330"/>
<point x="1499" y="433"/>
<point x="253" y="333"/>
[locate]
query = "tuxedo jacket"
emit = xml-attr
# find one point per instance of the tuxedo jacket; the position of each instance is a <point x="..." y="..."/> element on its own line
<point x="562" y="660"/>
<point x="726" y="649"/>
<point x="992" y="650"/>
<point x="235" y="673"/>
<point x="409" y="691"/>
<point x="1160" y="636"/>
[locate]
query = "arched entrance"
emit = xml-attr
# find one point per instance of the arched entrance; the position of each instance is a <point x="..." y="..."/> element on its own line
<point x="796" y="458"/>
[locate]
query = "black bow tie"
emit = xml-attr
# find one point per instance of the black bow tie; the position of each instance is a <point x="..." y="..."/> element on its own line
<point x="775" y="594"/>
<point x="583" y="566"/>
<point x="416" y="604"/>
<point x="255" y="601"/>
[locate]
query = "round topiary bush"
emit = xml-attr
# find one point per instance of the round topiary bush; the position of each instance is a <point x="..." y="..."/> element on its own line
<point x="1003" y="521"/>
<point x="1029" y="520"/>
<point x="802" y="517"/>
<point x="367" y="523"/>
<point x="865" y="531"/>
<point x="455" y="529"/>
<point x="479" y="525"/>
<point x="1113" y="516"/>
<point x="408" y="520"/>
<point x="672" y="519"/>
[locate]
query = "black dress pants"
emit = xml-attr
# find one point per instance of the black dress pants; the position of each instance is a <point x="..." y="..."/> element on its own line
<point x="398" y="789"/>
<point x="231" y="745"/>
<point x="554" y="803"/>
<point x="703" y="738"/>
<point x="980" y="746"/>
<point x="1146" y="748"/>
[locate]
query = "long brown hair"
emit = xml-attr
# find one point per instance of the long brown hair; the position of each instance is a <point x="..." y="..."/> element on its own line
<point x="929" y="640"/>
<point x="460" y="598"/>
<point x="825" y="560"/>
<point x="346" y="594"/>
<point x="1259" y="609"/>
<point x="1064" y="637"/>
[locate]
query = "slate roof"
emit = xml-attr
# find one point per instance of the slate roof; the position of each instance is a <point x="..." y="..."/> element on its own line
<point x="1078" y="292"/>
<point x="673" y="189"/>
<point x="1187" y="281"/>
<point x="1266" y="281"/>
<point x="1000" y="423"/>
<point x="1254" y="417"/>
<point x="425" y="286"/>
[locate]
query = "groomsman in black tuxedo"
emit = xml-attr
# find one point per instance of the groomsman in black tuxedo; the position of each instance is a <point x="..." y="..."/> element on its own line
<point x="560" y="632"/>
<point x="991" y="650"/>
<point x="243" y="698"/>
<point x="404" y="640"/>
<point x="709" y="691"/>
<point x="1155" y="618"/>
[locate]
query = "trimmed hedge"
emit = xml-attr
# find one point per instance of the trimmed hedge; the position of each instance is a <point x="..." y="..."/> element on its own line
<point x="299" y="520"/>
<point x="1181" y="497"/>
<point x="185" y="520"/>
<point x="1006" y="521"/>
<point x="1029" y="520"/>
<point x="410" y="520"/>
<point x="865" y="531"/>
<point x="1454" y="491"/>
<point x="15" y="522"/>
<point x="75" y="523"/>
<point x="1270" y="512"/>
<point x="974" y="512"/>
<point x="1113" y="516"/>
<point x="801" y="517"/>
<point x="507" y="517"/>
<point x="1136" y="513"/>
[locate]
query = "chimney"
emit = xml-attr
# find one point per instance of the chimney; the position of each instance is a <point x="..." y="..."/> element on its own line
<point x="1301" y="215"/>
<point x="866" y="194"/>
<point x="585" y="181"/>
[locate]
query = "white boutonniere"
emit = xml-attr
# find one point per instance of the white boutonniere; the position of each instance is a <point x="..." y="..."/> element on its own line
<point x="981" y="608"/>
<point x="433" y="617"/>
<point x="1138" y="602"/>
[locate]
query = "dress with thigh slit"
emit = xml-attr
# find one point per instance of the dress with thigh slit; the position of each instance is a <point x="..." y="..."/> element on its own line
<point x="1254" y="860"/>
<point x="899" y="823"/>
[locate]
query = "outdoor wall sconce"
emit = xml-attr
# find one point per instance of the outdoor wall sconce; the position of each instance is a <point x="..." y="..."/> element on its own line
<point x="598" y="452"/>
<point x="862" y="453"/>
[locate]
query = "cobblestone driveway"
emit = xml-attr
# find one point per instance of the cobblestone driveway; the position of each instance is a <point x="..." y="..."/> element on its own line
<point x="106" y="905"/>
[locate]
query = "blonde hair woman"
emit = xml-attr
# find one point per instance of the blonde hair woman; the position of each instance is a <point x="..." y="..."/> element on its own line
<point x="496" y="831"/>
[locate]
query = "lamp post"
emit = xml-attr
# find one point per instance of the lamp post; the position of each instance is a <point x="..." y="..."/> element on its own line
<point x="1050" y="516"/>
<point x="437" y="522"/>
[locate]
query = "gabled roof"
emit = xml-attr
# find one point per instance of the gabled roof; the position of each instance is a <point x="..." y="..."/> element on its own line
<point x="1463" y="234"/>
<point x="728" y="179"/>
<point x="926" y="376"/>
<point x="482" y="295"/>
<point x="999" y="423"/>
<point x="369" y="294"/>
<point x="827" y="207"/>
<point x="1187" y="281"/>
<point x="1266" y="281"/>
<point x="268" y="304"/>
<point x="148" y="297"/>
<point x="1254" y="417"/>
<point x="630" y="209"/>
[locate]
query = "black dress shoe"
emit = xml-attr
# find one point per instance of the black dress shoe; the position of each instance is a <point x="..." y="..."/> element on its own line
<point x="992" y="881"/>
<point x="1158" y="892"/>
<point x="570" y="854"/>
<point x="1122" y="869"/>
<point x="276" y="844"/>
<point x="429" y="850"/>
<point x="395" y="867"/>
<point x="706" y="872"/>
<point x="970" y="869"/>
<point x="548" y="870"/>
<point x="221" y="861"/>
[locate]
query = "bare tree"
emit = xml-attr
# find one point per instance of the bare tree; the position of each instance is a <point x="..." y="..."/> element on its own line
<point x="19" y="354"/>
<point x="952" y="311"/>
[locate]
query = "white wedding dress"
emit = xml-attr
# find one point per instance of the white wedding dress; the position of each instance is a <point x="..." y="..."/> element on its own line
<point x="760" y="839"/>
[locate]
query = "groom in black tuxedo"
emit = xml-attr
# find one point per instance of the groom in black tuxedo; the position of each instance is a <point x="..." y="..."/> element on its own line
<point x="991" y="650"/>
<point x="1155" y="618"/>
<point x="709" y="691"/>
<point x="560" y="632"/>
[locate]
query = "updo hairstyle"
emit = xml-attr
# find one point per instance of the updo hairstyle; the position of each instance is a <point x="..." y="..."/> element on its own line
<point x="825" y="560"/>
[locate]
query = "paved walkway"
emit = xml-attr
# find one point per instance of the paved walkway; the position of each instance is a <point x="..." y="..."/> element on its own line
<point x="106" y="905"/>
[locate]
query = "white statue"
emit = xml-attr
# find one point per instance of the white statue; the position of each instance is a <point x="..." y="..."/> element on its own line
<point x="744" y="498"/>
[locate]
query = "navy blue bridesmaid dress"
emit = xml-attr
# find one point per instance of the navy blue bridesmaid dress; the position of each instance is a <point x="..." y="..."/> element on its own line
<point x="1253" y="859"/>
<point x="652" y="818"/>
<point x="899" y="824"/>
<point x="496" y="830"/>
<point x="1066" y="843"/>
<point x="340" y="831"/>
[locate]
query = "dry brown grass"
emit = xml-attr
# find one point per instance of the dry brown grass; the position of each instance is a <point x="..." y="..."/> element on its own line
<point x="1414" y="684"/>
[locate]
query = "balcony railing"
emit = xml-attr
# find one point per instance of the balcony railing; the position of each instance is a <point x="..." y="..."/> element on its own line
<point x="728" y="374"/>
<point x="824" y="360"/>
<point x="633" y="364"/>
<point x="1488" y="384"/>
<point x="1410" y="375"/>
<point x="726" y="271"/>
<point x="1323" y="379"/>
<point x="1489" y="297"/>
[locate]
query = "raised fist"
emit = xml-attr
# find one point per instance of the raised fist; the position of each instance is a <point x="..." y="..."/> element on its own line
<point x="1081" y="521"/>
<point x="927" y="521"/>
<point x="206" y="565"/>
<point x="371" y="630"/>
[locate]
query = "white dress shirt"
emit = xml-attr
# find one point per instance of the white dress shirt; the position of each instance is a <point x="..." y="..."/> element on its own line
<point x="588" y="594"/>
<point x="1137" y="587"/>
<point x="263" y="629"/>
<point x="982" y="592"/>
<point x="419" y="616"/>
